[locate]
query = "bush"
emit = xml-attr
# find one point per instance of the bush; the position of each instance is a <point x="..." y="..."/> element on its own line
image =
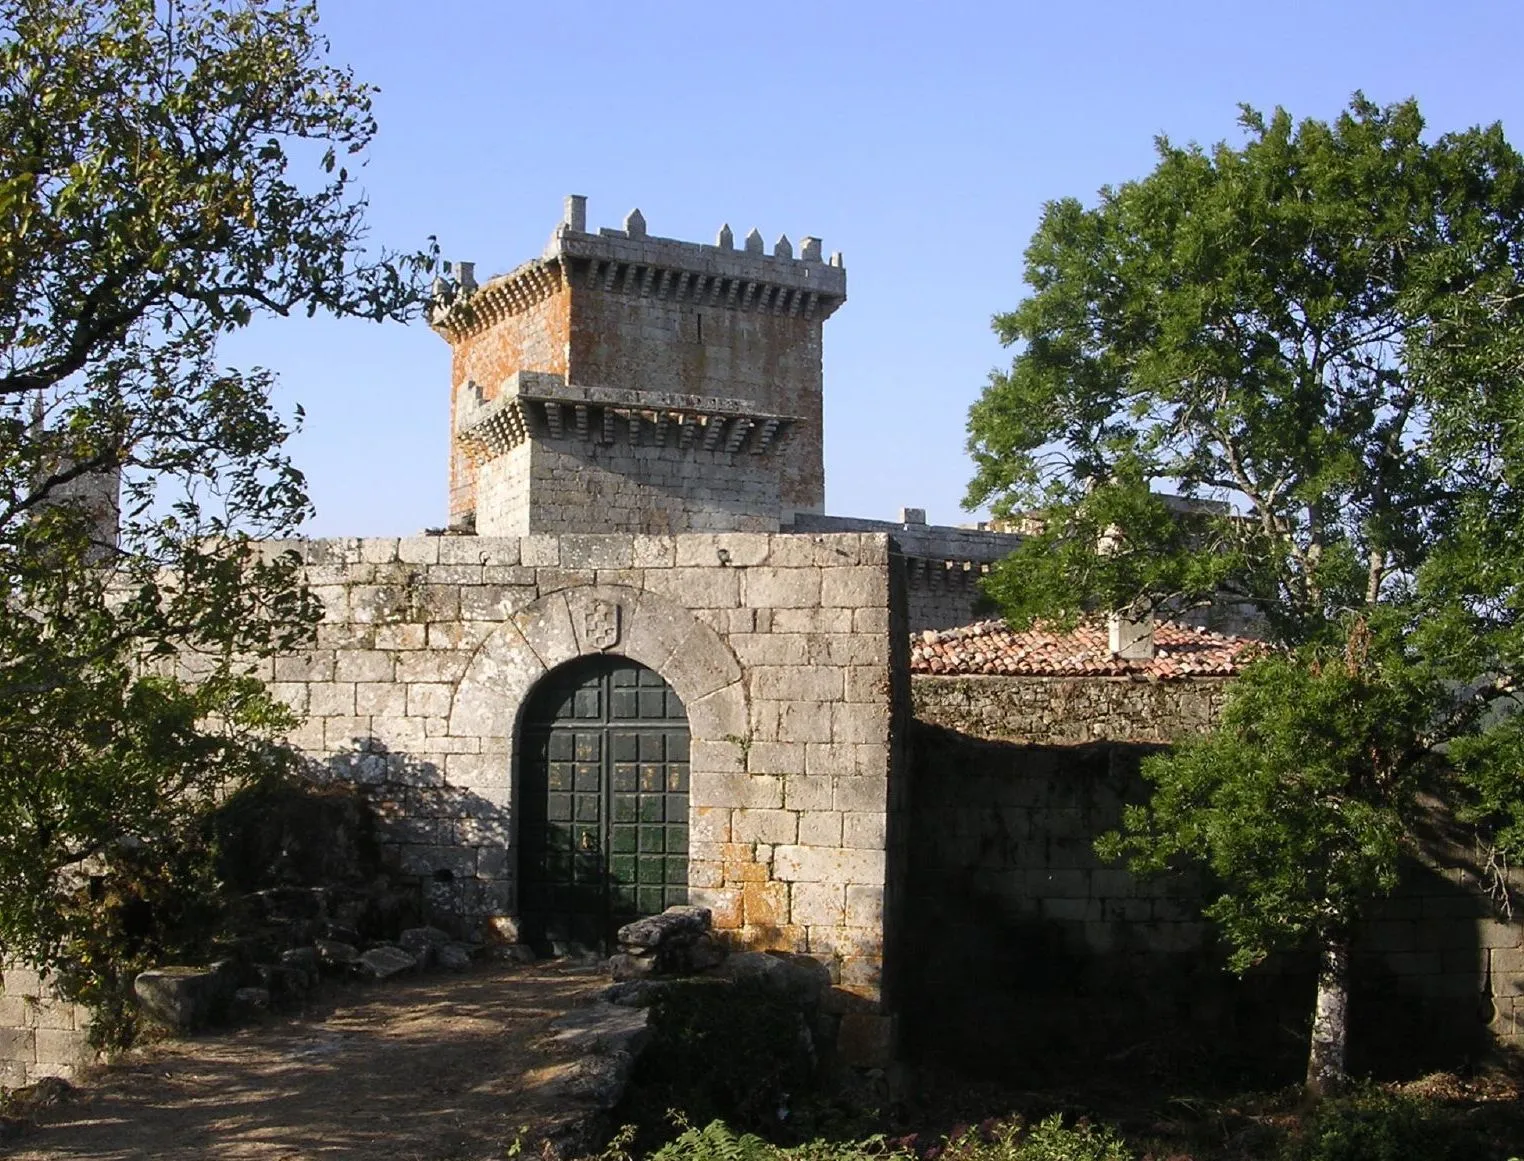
<point x="1048" y="1140"/>
<point x="1371" y="1124"/>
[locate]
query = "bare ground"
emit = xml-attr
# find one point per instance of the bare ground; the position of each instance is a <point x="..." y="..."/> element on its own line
<point x="417" y="1070"/>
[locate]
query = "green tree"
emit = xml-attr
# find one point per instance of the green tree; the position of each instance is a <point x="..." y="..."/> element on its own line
<point x="1316" y="337"/>
<point x="169" y="169"/>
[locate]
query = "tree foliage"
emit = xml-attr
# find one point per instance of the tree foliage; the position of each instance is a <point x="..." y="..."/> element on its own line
<point x="168" y="171"/>
<point x="1316" y="340"/>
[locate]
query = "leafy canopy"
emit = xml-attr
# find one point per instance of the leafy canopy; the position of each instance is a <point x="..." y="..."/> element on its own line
<point x="167" y="172"/>
<point x="1314" y="339"/>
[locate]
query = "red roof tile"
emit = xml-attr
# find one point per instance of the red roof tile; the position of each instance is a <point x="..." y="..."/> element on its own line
<point x="993" y="648"/>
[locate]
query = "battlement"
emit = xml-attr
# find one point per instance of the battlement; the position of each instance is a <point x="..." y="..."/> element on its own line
<point x="632" y="262"/>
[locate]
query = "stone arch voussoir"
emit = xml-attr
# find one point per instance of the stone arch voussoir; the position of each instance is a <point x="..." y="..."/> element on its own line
<point x="571" y="623"/>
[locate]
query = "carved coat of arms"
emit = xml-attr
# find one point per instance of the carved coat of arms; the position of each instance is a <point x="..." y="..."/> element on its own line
<point x="600" y="624"/>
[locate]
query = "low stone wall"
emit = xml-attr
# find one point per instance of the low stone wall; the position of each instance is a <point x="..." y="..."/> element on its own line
<point x="41" y="1034"/>
<point x="1023" y="941"/>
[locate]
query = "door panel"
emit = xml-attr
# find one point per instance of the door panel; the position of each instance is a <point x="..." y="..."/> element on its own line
<point x="604" y="803"/>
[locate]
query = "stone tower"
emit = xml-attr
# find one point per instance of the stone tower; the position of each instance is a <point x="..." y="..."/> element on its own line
<point x="627" y="383"/>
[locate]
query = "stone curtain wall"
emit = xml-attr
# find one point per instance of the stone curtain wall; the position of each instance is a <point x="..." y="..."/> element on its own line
<point x="1068" y="711"/>
<point x="40" y="1034"/>
<point x="778" y="645"/>
<point x="1024" y="939"/>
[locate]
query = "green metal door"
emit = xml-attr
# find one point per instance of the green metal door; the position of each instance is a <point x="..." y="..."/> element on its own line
<point x="603" y="827"/>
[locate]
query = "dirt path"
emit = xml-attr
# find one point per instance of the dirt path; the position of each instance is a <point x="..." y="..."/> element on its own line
<point x="430" y="1068"/>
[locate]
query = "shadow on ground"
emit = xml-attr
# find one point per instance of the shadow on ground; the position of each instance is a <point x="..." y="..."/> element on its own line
<point x="429" y="1068"/>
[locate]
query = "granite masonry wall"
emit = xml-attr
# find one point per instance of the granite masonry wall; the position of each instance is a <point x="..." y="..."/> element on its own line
<point x="778" y="646"/>
<point x="1026" y="941"/>
<point x="41" y="1034"/>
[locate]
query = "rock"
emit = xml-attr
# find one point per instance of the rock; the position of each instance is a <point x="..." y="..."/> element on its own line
<point x="423" y="943"/>
<point x="798" y="977"/>
<point x="625" y="966"/>
<point x="256" y="998"/>
<point x="654" y="930"/>
<point x="635" y="993"/>
<point x="341" y="933"/>
<point x="513" y="952"/>
<point x="454" y="957"/>
<point x="380" y="963"/>
<point x="283" y="981"/>
<point x="704" y="953"/>
<point x="302" y="959"/>
<point x="598" y="1081"/>
<point x="334" y="953"/>
<point x="602" y="1028"/>
<point x="184" y="999"/>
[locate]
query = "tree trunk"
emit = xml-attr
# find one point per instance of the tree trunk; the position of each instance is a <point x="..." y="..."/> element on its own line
<point x="1330" y="1022"/>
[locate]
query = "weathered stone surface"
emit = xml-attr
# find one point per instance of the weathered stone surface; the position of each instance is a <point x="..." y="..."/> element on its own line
<point x="185" y="999"/>
<point x="302" y="959"/>
<point x="336" y="954"/>
<point x="454" y="957"/>
<point x="255" y="999"/>
<point x="656" y="929"/>
<point x="603" y="1028"/>
<point x="798" y="977"/>
<point x="423" y="943"/>
<point x="381" y="963"/>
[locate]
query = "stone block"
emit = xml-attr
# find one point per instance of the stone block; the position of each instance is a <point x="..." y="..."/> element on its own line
<point x="431" y="665"/>
<point x="654" y="551"/>
<point x="854" y="588"/>
<point x="600" y="551"/>
<point x="817" y="904"/>
<point x="697" y="588"/>
<point x="765" y="904"/>
<point x="781" y="588"/>
<point x="719" y="714"/>
<point x="791" y="682"/>
<point x="381" y="963"/>
<point x="381" y="699"/>
<point x="860" y="792"/>
<point x="429" y="699"/>
<point x="306" y="667"/>
<point x="184" y="999"/>
<point x="18" y="1044"/>
<point x="419" y="549"/>
<point x="819" y="828"/>
<point x="865" y="906"/>
<point x="864" y="829"/>
<point x="806" y="792"/>
<point x="799" y="864"/>
<point x="760" y="825"/>
<point x="494" y="602"/>
<point x="736" y="790"/>
<point x="540" y="551"/>
<point x="364" y="665"/>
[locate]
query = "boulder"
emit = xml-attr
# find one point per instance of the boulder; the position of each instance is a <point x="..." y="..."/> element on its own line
<point x="380" y="963"/>
<point x="454" y="957"/>
<point x="252" y="998"/>
<point x="797" y="977"/>
<point x="335" y="954"/>
<point x="423" y="943"/>
<point x="301" y="959"/>
<point x="654" y="930"/>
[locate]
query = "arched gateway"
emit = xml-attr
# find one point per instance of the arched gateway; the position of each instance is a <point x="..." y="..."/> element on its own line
<point x="603" y="826"/>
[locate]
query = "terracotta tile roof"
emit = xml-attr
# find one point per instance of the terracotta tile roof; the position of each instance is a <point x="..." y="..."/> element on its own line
<point x="993" y="648"/>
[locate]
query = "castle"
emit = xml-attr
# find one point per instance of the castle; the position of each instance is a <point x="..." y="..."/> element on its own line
<point x="643" y="667"/>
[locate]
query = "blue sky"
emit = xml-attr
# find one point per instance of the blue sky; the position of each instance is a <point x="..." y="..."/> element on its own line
<point x="921" y="140"/>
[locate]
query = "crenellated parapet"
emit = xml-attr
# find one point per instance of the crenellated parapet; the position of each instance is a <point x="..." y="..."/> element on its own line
<point x="632" y="262"/>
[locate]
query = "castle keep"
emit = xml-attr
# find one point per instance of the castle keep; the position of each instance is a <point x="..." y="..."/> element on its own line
<point x="627" y="383"/>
